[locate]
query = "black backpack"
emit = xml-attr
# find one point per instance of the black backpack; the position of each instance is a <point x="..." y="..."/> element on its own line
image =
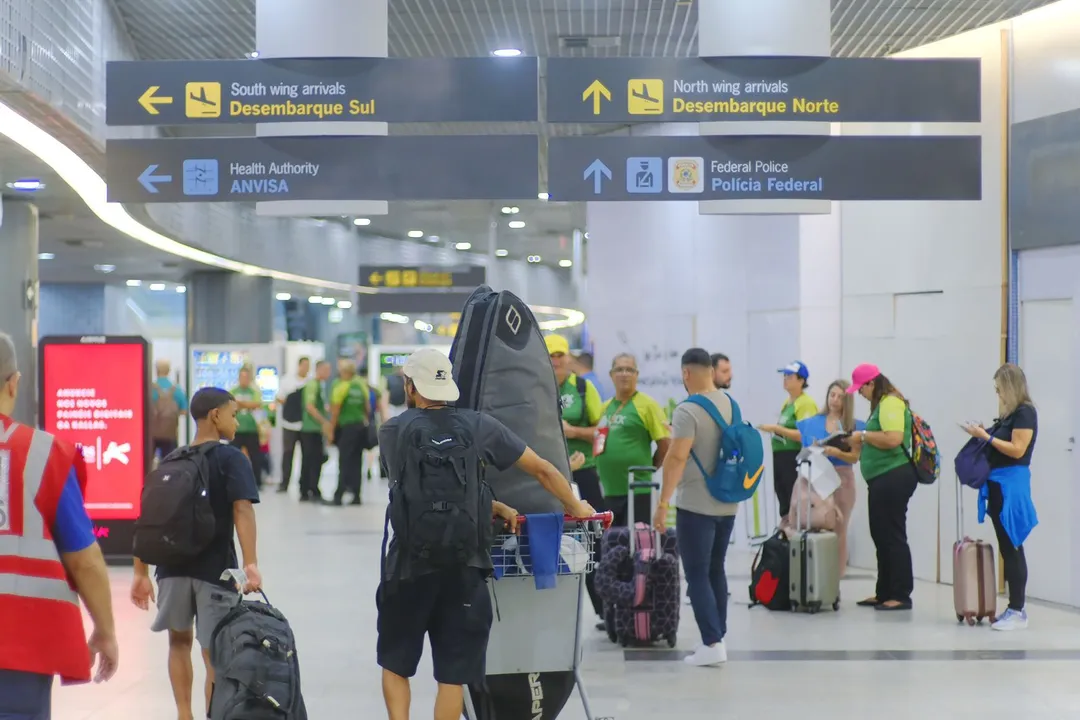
<point x="440" y="506"/>
<point x="256" y="669"/>
<point x="769" y="584"/>
<point x="293" y="410"/>
<point x="395" y="386"/>
<point x="176" y="522"/>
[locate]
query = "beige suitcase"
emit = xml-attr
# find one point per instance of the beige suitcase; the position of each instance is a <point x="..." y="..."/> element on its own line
<point x="974" y="579"/>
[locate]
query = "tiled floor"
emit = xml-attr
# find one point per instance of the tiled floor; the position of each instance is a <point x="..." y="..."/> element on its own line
<point x="321" y="568"/>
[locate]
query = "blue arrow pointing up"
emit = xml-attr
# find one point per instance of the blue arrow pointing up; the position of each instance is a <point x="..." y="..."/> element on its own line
<point x="597" y="171"/>
<point x="148" y="178"/>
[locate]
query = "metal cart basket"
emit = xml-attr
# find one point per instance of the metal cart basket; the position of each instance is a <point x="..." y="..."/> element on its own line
<point x="531" y="632"/>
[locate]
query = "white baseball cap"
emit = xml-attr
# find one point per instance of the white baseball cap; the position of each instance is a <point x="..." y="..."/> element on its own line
<point x="432" y="374"/>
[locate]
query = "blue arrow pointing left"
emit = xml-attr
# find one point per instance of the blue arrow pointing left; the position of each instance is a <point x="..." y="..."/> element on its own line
<point x="148" y="179"/>
<point x="597" y="171"/>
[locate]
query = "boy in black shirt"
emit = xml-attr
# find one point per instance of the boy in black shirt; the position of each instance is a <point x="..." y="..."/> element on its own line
<point x="194" y="593"/>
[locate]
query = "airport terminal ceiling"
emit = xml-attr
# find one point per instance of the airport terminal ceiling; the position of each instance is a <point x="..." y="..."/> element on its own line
<point x="178" y="29"/>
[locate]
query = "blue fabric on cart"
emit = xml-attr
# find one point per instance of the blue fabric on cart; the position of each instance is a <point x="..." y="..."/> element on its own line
<point x="543" y="534"/>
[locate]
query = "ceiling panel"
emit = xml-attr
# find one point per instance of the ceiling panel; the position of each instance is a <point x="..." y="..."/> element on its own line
<point x="183" y="29"/>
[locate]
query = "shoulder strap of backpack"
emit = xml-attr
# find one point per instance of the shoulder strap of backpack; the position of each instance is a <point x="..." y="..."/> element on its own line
<point x="736" y="411"/>
<point x="582" y="388"/>
<point x="710" y="407"/>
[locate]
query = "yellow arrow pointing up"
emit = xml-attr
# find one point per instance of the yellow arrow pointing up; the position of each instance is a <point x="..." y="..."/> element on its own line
<point x="148" y="100"/>
<point x="595" y="91"/>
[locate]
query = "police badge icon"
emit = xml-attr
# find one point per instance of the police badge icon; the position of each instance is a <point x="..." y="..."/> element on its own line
<point x="686" y="175"/>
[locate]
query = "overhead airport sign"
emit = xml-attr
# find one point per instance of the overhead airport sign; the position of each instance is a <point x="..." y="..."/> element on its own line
<point x="424" y="301"/>
<point x="622" y="90"/>
<point x="395" y="167"/>
<point x="414" y="277"/>
<point x="393" y="90"/>
<point x="781" y="167"/>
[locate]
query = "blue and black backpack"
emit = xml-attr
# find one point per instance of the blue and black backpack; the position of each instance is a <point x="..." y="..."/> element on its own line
<point x="741" y="461"/>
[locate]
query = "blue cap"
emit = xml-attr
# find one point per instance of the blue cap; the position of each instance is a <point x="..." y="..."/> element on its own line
<point x="796" y="368"/>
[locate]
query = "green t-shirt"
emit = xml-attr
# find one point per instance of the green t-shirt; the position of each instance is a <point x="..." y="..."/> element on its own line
<point x="245" y="419"/>
<point x="313" y="395"/>
<point x="580" y="414"/>
<point x="352" y="397"/>
<point x="891" y="415"/>
<point x="632" y="430"/>
<point x="790" y="414"/>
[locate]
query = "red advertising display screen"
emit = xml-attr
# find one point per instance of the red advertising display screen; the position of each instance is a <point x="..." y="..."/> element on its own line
<point x="95" y="394"/>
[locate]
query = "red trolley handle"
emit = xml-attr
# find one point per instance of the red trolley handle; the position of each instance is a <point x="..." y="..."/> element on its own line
<point x="604" y="518"/>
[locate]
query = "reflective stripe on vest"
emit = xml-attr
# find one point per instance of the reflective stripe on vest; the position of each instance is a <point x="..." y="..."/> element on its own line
<point x="32" y="543"/>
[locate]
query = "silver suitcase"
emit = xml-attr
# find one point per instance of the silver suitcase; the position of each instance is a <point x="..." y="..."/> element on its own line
<point x="815" y="565"/>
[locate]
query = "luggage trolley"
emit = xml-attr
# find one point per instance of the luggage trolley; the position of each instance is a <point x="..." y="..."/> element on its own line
<point x="527" y="635"/>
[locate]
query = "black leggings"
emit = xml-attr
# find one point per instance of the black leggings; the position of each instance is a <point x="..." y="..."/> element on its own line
<point x="785" y="472"/>
<point x="1013" y="560"/>
<point x="888" y="498"/>
<point x="311" y="462"/>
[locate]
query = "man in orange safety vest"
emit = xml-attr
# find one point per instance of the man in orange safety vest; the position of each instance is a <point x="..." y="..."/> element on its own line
<point x="48" y="560"/>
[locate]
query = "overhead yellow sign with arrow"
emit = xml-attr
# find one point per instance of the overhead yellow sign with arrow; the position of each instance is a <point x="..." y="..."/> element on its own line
<point x="596" y="92"/>
<point x="150" y="100"/>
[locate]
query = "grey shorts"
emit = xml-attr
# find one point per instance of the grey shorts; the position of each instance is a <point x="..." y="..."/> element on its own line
<point x="182" y="600"/>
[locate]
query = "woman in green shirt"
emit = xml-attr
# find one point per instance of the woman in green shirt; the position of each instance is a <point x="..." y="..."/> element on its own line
<point x="350" y="405"/>
<point x="787" y="440"/>
<point x="891" y="481"/>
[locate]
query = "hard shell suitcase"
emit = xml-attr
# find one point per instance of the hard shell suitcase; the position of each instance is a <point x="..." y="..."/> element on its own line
<point x="640" y="584"/>
<point x="974" y="579"/>
<point x="814" y="572"/>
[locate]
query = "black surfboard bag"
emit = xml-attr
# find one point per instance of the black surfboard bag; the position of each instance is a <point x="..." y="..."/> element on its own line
<point x="502" y="368"/>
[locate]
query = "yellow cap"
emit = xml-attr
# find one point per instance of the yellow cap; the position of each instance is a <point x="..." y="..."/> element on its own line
<point x="557" y="344"/>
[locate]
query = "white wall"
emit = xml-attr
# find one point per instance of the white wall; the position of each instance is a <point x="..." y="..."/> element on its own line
<point x="922" y="299"/>
<point x="1046" y="64"/>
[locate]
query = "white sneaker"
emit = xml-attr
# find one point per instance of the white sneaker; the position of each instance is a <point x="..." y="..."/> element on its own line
<point x="708" y="655"/>
<point x="1012" y="620"/>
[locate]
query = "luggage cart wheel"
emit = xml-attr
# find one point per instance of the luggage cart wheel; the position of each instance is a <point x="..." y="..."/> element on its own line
<point x="836" y="606"/>
<point x="971" y="621"/>
<point x="671" y="639"/>
<point x="624" y="642"/>
<point x="959" y="618"/>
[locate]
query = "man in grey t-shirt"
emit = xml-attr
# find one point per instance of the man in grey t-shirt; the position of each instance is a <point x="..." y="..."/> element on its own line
<point x="704" y="524"/>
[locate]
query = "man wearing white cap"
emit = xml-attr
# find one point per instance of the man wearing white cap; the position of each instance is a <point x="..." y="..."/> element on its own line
<point x="435" y="568"/>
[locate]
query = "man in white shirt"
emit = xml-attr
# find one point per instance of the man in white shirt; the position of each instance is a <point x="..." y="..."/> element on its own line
<point x="291" y="417"/>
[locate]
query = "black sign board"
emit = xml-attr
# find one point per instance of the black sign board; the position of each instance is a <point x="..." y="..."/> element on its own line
<point x="396" y="167"/>
<point x="412" y="277"/>
<point x="778" y="167"/>
<point x="394" y="90"/>
<point x="619" y="90"/>
<point x="423" y="301"/>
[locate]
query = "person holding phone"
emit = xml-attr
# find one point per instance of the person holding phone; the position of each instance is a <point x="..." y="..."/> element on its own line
<point x="1006" y="496"/>
<point x="832" y="429"/>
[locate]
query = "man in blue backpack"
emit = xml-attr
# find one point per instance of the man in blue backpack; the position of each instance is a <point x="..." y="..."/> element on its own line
<point x="713" y="465"/>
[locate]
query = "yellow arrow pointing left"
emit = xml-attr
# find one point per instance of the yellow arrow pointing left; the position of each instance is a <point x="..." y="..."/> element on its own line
<point x="149" y="101"/>
<point x="375" y="279"/>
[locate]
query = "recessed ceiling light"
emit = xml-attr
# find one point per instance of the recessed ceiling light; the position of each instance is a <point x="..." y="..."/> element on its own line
<point x="416" y="233"/>
<point x="253" y="54"/>
<point x="542" y="196"/>
<point x="423" y="326"/>
<point x="533" y="258"/>
<point x="433" y="238"/>
<point x="566" y="263"/>
<point x="586" y="236"/>
<point x="329" y="301"/>
<point x="511" y="210"/>
<point x="506" y="52"/>
<point x="134" y="283"/>
<point x="283" y="296"/>
<point x="516" y="224"/>
<point x="46" y="256"/>
<point x="394" y="318"/>
<point x="463" y="246"/>
<point x="105" y="268"/>
<point x="501" y="253"/>
<point x="315" y="299"/>
<point x="181" y="289"/>
<point x="157" y="287"/>
<point x="361" y="222"/>
<point x="345" y="304"/>
<point x="27" y="185"/>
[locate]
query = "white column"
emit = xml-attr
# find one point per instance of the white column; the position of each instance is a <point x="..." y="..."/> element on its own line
<point x="19" y="295"/>
<point x="315" y="29"/>
<point x="734" y="28"/>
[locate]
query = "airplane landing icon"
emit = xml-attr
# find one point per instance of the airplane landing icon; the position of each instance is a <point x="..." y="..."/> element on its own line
<point x="202" y="100"/>
<point x="645" y="97"/>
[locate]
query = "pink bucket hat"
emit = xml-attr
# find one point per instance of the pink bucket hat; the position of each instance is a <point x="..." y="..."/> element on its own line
<point x="861" y="375"/>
